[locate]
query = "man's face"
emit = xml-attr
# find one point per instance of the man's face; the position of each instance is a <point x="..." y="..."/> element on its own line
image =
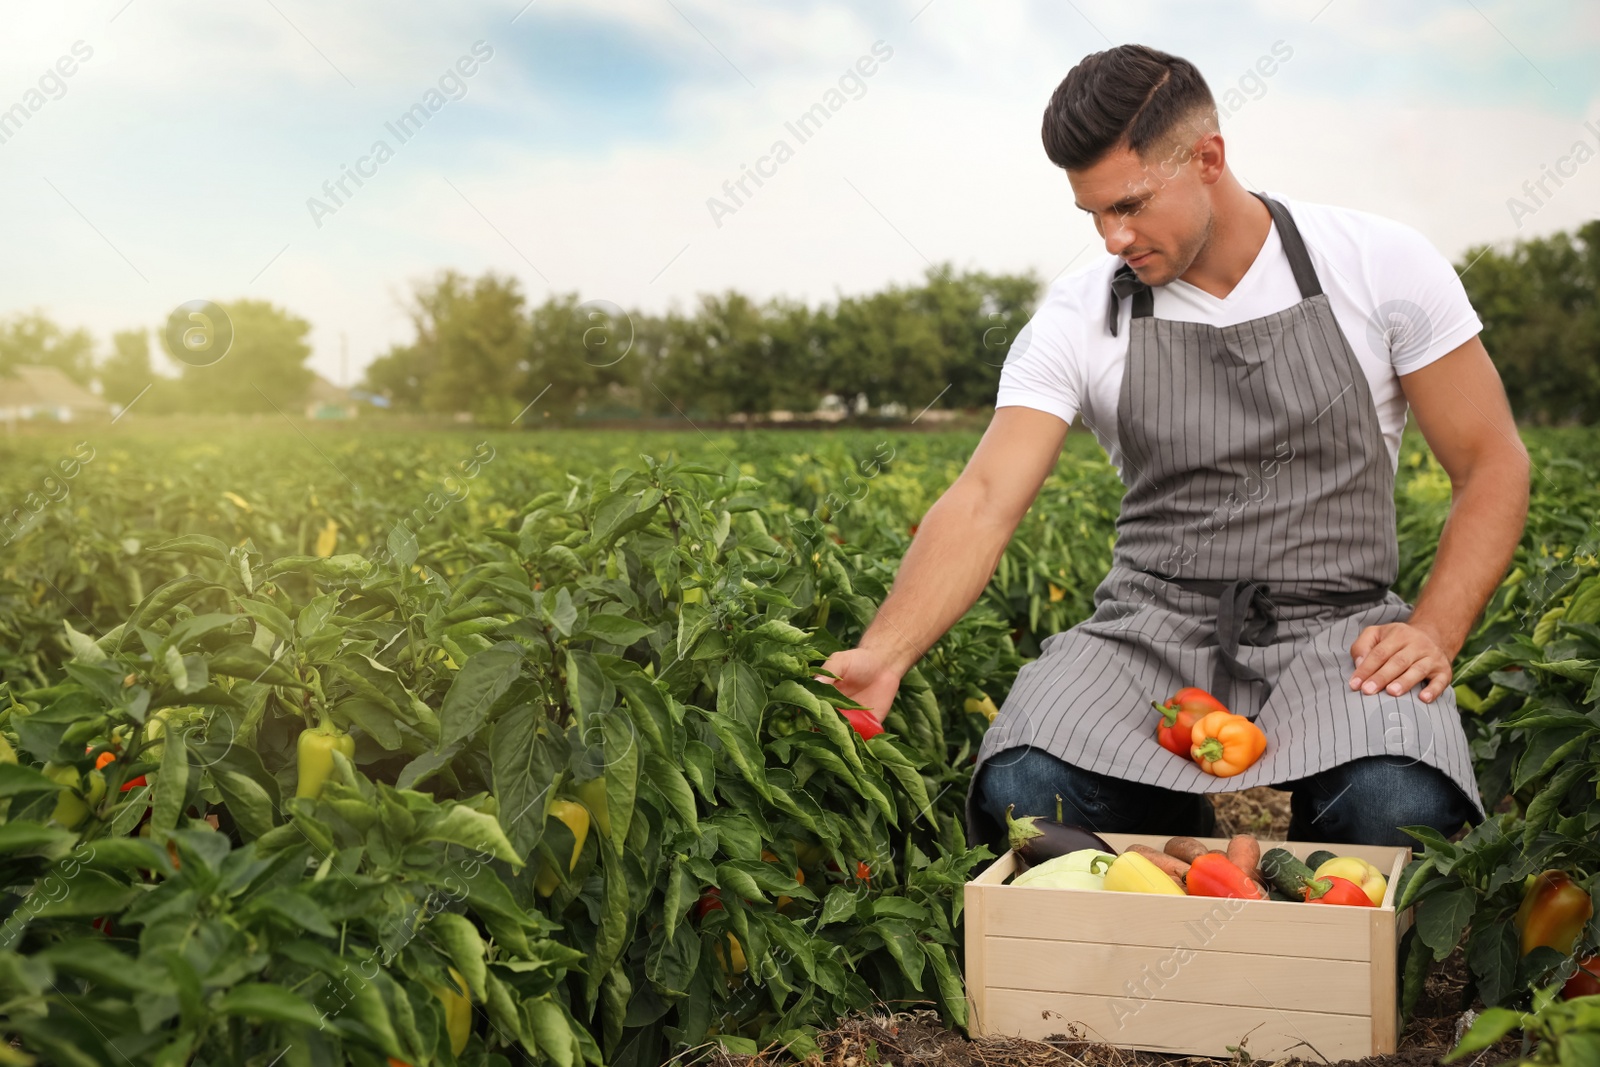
<point x="1155" y="213"/>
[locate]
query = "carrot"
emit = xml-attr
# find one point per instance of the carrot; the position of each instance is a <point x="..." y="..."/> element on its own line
<point x="1245" y="852"/>
<point x="1171" y="866"/>
<point x="1185" y="849"/>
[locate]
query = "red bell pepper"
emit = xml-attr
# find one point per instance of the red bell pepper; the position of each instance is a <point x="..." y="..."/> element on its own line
<point x="1554" y="911"/>
<point x="1338" y="891"/>
<point x="1585" y="981"/>
<point x="865" y="723"/>
<point x="1179" y="714"/>
<point x="1215" y="875"/>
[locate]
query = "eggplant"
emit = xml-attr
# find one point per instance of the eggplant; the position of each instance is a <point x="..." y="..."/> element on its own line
<point x="1037" y="839"/>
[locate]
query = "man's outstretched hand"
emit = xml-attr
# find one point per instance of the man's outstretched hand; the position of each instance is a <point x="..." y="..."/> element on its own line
<point x="869" y="679"/>
<point x="1396" y="656"/>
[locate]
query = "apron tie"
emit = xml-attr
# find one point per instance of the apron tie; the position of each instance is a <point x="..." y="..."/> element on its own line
<point x="1123" y="283"/>
<point x="1237" y="624"/>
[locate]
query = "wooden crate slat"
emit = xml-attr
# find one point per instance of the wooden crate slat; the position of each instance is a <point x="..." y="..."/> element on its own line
<point x="1262" y="927"/>
<point x="1190" y="1029"/>
<point x="1139" y="974"/>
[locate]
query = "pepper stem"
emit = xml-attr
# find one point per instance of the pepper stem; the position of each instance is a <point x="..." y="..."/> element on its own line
<point x="1058" y="807"/>
<point x="1169" y="714"/>
<point x="1210" y="750"/>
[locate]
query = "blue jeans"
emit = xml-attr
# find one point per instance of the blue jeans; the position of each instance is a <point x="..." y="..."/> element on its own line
<point x="1362" y="802"/>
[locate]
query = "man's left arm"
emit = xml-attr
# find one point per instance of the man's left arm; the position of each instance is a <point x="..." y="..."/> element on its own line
<point x="1460" y="407"/>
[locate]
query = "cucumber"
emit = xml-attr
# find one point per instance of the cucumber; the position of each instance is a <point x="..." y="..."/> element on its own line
<point x="1285" y="873"/>
<point x="1319" y="857"/>
<point x="1274" y="893"/>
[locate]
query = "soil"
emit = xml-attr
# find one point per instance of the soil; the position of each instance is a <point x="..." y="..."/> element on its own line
<point x="920" y="1039"/>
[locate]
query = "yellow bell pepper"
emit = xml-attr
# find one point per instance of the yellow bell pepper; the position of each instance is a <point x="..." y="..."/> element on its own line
<point x="1132" y="873"/>
<point x="1359" y="871"/>
<point x="457" y="1010"/>
<point x="576" y="817"/>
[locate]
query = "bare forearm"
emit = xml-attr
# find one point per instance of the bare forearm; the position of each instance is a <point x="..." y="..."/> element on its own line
<point x="951" y="559"/>
<point x="1479" y="537"/>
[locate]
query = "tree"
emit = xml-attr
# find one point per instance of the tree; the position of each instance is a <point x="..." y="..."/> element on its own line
<point x="31" y="338"/>
<point x="264" y="370"/>
<point x="1540" y="306"/>
<point x="470" y="353"/>
<point x="126" y="372"/>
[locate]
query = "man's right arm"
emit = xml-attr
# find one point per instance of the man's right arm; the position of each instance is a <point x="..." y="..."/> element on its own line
<point x="954" y="553"/>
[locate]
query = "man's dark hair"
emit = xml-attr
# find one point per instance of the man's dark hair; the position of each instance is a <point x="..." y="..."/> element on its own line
<point x="1129" y="93"/>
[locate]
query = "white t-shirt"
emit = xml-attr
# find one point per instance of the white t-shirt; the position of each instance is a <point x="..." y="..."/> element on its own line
<point x="1397" y="299"/>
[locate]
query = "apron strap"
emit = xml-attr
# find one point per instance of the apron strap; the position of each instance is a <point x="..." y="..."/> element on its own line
<point x="1235" y="601"/>
<point x="1126" y="283"/>
<point x="1294" y="247"/>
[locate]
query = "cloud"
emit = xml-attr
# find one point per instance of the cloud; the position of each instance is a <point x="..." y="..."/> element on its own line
<point x="589" y="146"/>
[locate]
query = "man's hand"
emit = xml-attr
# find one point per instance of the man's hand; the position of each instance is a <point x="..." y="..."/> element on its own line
<point x="865" y="676"/>
<point x="1396" y="656"/>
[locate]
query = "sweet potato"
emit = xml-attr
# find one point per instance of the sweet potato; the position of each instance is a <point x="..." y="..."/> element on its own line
<point x="1185" y="849"/>
<point x="1245" y="852"/>
<point x="1171" y="866"/>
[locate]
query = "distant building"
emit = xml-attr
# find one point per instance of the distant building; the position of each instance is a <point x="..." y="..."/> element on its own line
<point x="46" y="393"/>
<point x="324" y="400"/>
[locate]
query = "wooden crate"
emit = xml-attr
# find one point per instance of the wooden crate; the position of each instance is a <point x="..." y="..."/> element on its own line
<point x="1186" y="975"/>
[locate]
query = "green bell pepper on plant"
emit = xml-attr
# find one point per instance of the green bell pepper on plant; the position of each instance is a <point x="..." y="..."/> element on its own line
<point x="314" y="757"/>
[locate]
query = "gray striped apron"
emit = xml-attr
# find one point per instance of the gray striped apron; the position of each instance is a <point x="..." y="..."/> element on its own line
<point x="1256" y="540"/>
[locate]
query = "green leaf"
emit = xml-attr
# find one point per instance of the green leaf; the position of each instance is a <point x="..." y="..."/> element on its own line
<point x="482" y="680"/>
<point x="89" y="895"/>
<point x="201" y="545"/>
<point x="563" y="616"/>
<point x="463" y="826"/>
<point x="18" y="779"/>
<point x="740" y="694"/>
<point x="252" y="665"/>
<point x="94" y="959"/>
<point x="742" y="747"/>
<point x="1488" y="1028"/>
<point x="1442" y="917"/>
<point x="615" y="629"/>
<point x="464" y="945"/>
<point x="247" y="801"/>
<point x="552" y="1030"/>
<point x="172" y="782"/>
<point x="1492" y="955"/>
<point x="272" y="1003"/>
<point x="84" y="648"/>
<point x="586" y="683"/>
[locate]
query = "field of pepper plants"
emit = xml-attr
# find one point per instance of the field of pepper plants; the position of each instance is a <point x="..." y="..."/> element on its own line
<point x="489" y="748"/>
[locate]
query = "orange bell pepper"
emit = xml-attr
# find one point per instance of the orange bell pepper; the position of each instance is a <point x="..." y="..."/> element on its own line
<point x="1224" y="744"/>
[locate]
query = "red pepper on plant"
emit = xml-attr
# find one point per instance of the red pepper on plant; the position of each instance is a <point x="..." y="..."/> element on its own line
<point x="863" y="871"/>
<point x="1585" y="981"/>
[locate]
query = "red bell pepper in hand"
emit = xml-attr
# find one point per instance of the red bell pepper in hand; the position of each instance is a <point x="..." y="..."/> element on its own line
<point x="1553" y="912"/>
<point x="1178" y="716"/>
<point x="865" y="723"/>
<point x="1339" y="891"/>
<point x="1215" y="875"/>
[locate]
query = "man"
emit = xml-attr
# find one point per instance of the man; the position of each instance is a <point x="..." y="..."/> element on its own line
<point x="1247" y="361"/>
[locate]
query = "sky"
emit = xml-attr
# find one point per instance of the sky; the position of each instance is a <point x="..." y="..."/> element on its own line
<point x="186" y="154"/>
